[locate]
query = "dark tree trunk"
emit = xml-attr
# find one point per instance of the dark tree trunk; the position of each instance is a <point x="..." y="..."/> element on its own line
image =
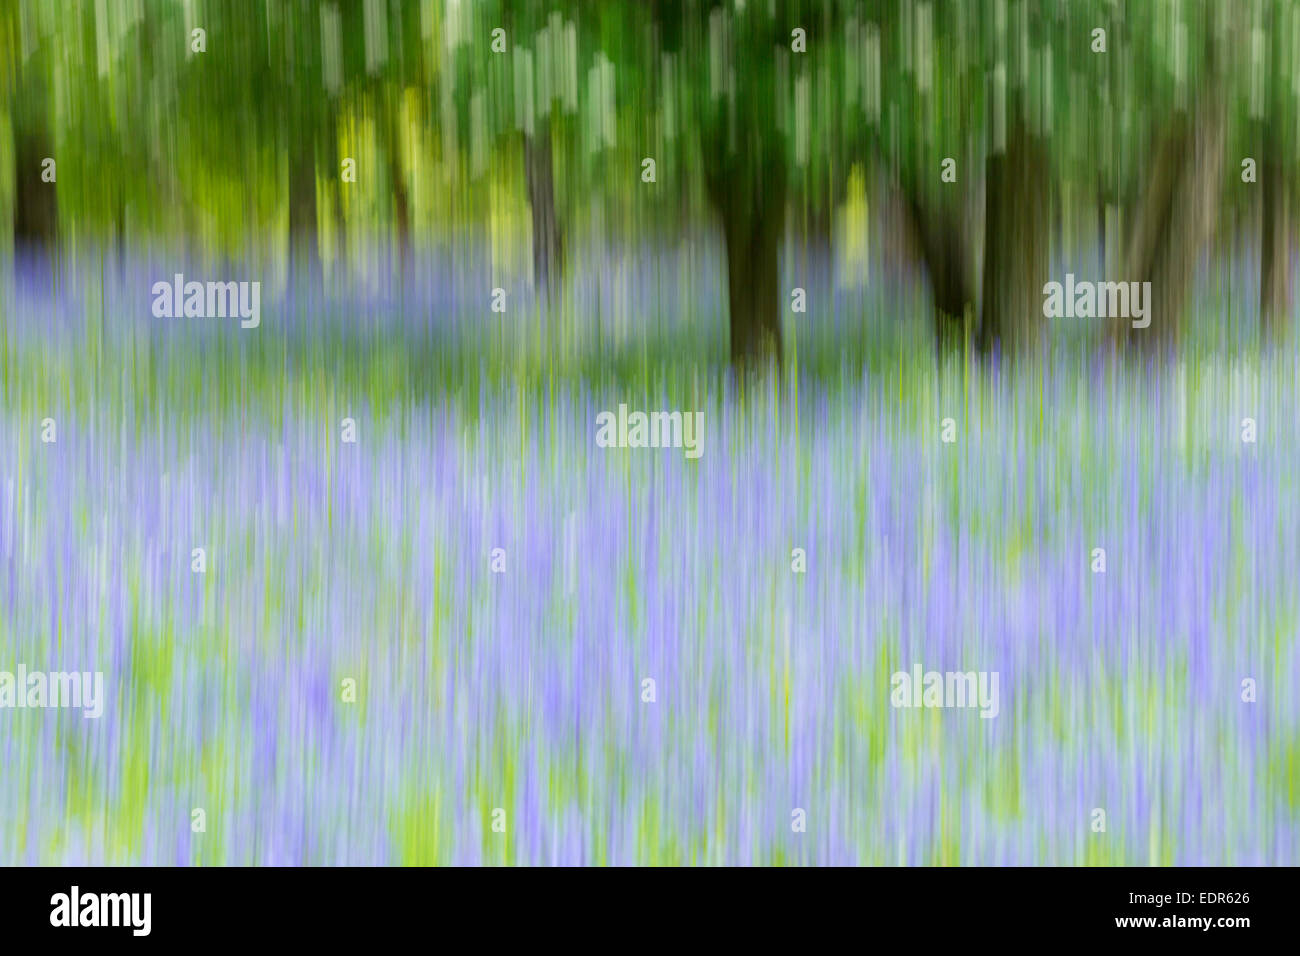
<point x="940" y="236"/>
<point x="333" y="161"/>
<point x="1175" y="219"/>
<point x="119" y="232"/>
<point x="36" y="210"/>
<point x="816" y="233"/>
<point x="340" y="227"/>
<point x="548" y="265"/>
<point x="813" y="261"/>
<point x="401" y="204"/>
<point x="304" y="250"/>
<point x="1016" y="238"/>
<point x="745" y="176"/>
<point x="1101" y="224"/>
<point x="753" y="292"/>
<point x="924" y="220"/>
<point x="1275" y="225"/>
<point x="397" y="182"/>
<point x="1275" y="252"/>
<point x="819" y="227"/>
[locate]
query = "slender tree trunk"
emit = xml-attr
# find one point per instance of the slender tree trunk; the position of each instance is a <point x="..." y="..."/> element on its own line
<point x="401" y="207"/>
<point x="340" y="227"/>
<point x="1175" y="219"/>
<point x="332" y="158"/>
<point x="1275" y="224"/>
<point x="927" y="222"/>
<point x="1017" y="231"/>
<point x="1275" y="251"/>
<point x="940" y="237"/>
<point x="119" y="232"/>
<point x="1101" y="224"/>
<point x="819" y="231"/>
<point x="548" y="265"/>
<point x="36" y="210"/>
<point x="751" y="230"/>
<point x="745" y="177"/>
<point x="816" y="234"/>
<point x="304" y="249"/>
<point x="397" y="181"/>
<point x="753" y="291"/>
<point x="813" y="258"/>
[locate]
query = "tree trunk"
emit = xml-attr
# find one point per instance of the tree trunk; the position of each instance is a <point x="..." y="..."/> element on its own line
<point x="816" y="235"/>
<point x="1175" y="219"/>
<point x="1275" y="251"/>
<point x="1275" y="224"/>
<point x="753" y="292"/>
<point x="548" y="265"/>
<point x="1101" y="224"/>
<point x="340" y="228"/>
<point x="940" y="237"/>
<point x="304" y="250"/>
<point x="1017" y="230"/>
<point x="401" y="205"/>
<point x="119" y="232"/>
<point x="397" y="182"/>
<point x="745" y="177"/>
<point x="332" y="158"/>
<point x="36" y="211"/>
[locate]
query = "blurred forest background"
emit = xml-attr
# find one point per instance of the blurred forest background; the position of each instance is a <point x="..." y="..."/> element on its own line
<point x="394" y="485"/>
<point x="1122" y="141"/>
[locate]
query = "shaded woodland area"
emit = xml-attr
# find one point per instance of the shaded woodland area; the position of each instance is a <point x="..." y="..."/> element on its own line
<point x="1137" y="131"/>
